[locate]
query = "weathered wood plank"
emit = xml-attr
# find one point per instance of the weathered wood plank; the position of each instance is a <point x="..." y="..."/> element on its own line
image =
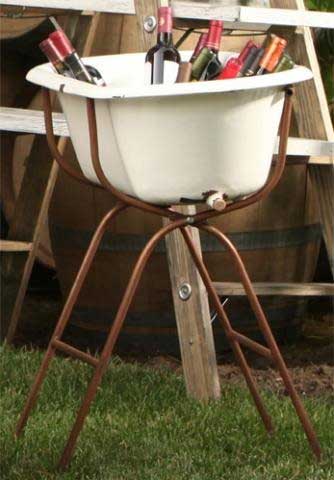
<point x="21" y="120"/>
<point x="313" y="121"/>
<point x="230" y="289"/>
<point x="13" y="246"/>
<point x="109" y="6"/>
<point x="32" y="121"/>
<point x="252" y="18"/>
<point x="193" y="315"/>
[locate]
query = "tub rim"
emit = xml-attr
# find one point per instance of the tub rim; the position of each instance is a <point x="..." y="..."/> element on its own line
<point x="45" y="76"/>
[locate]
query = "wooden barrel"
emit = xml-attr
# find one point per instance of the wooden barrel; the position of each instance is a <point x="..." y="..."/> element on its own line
<point x="275" y="242"/>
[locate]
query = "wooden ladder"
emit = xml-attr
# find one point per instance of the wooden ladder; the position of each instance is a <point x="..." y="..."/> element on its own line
<point x="31" y="208"/>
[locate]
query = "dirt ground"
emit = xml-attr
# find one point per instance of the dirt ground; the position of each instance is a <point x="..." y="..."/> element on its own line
<point x="311" y="378"/>
<point x="310" y="358"/>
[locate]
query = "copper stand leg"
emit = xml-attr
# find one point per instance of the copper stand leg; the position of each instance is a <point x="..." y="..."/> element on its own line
<point x="264" y="326"/>
<point x="112" y="337"/>
<point x="94" y="244"/>
<point x="228" y="329"/>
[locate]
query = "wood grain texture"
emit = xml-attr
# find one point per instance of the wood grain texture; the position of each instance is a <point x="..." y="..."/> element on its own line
<point x="32" y="121"/>
<point x="193" y="315"/>
<point x="313" y="121"/>
<point x="13" y="246"/>
<point x="252" y="18"/>
<point x="272" y="289"/>
<point x="110" y="6"/>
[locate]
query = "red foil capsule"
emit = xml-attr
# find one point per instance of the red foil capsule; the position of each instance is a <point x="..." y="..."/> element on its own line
<point x="231" y="69"/>
<point x="62" y="43"/>
<point x="244" y="53"/>
<point x="215" y="31"/>
<point x="165" y="22"/>
<point x="50" y="51"/>
<point x="276" y="56"/>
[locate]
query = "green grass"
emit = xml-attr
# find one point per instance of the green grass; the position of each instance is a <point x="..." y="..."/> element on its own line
<point x="143" y="427"/>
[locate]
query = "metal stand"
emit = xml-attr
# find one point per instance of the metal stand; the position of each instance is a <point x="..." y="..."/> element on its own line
<point x="183" y="223"/>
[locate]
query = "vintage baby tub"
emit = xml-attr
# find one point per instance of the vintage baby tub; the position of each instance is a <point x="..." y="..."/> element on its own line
<point x="171" y="143"/>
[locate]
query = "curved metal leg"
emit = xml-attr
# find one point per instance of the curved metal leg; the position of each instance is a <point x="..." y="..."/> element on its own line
<point x="271" y="342"/>
<point x="228" y="330"/>
<point x="112" y="337"/>
<point x="64" y="317"/>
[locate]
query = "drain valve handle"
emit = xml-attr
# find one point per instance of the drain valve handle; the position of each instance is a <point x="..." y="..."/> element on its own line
<point x="216" y="201"/>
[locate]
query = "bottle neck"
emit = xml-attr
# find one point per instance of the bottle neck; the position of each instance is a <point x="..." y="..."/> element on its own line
<point x="165" y="38"/>
<point x="165" y="25"/>
<point x="214" y="35"/>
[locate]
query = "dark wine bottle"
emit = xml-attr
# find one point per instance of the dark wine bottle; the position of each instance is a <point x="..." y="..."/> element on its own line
<point x="213" y="44"/>
<point x="162" y="60"/>
<point x="59" y="59"/>
<point x="249" y="60"/>
<point x="70" y="57"/>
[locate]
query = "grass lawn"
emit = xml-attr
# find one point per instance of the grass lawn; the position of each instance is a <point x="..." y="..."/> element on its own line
<point x="143" y="427"/>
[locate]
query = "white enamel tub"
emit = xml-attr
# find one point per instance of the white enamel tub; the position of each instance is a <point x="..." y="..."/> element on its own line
<point x="164" y="143"/>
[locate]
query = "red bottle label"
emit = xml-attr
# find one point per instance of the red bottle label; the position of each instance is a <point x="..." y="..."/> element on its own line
<point x="165" y="22"/>
<point x="231" y="69"/>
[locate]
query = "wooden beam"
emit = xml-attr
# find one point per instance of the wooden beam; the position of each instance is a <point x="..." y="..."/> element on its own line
<point x="231" y="289"/>
<point x="12" y="246"/>
<point x="193" y="315"/>
<point x="21" y="120"/>
<point x="251" y="18"/>
<point x="32" y="205"/>
<point x="313" y="121"/>
<point x="108" y="6"/>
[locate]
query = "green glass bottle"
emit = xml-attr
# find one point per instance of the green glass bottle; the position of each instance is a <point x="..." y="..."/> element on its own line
<point x="200" y="64"/>
<point x="285" y="63"/>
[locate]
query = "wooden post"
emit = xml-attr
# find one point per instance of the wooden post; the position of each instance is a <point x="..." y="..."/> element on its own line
<point x="313" y="121"/>
<point x="192" y="315"/>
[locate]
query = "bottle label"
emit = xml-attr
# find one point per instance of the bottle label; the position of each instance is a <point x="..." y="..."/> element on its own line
<point x="167" y="75"/>
<point x="165" y="20"/>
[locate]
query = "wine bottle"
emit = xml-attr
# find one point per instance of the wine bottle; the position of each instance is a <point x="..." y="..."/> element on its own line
<point x="246" y="50"/>
<point x="268" y="53"/>
<point x="162" y="60"/>
<point x="253" y="67"/>
<point x="96" y="75"/>
<point x="233" y="66"/>
<point x="285" y="63"/>
<point x="231" y="69"/>
<point x="200" y="44"/>
<point x="52" y="54"/>
<point x="199" y="67"/>
<point x="249" y="60"/>
<point x="276" y="56"/>
<point x="71" y="58"/>
<point x="58" y="59"/>
<point x="212" y="44"/>
<point x="184" y="73"/>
